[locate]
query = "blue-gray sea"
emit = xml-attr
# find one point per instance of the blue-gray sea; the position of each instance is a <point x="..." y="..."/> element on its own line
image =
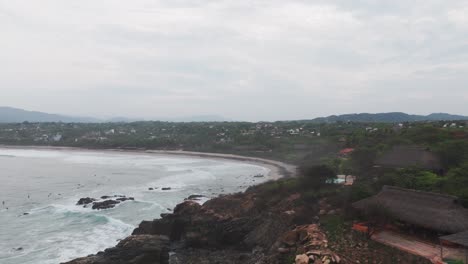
<point x="40" y="222"/>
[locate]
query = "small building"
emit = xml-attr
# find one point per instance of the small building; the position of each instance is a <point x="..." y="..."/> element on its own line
<point x="57" y="137"/>
<point x="345" y="152"/>
<point x="346" y="180"/>
<point x="433" y="211"/>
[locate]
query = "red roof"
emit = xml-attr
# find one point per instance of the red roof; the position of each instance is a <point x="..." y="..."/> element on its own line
<point x="346" y="151"/>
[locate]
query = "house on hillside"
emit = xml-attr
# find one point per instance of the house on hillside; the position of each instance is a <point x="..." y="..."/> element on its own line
<point x="346" y="152"/>
<point x="410" y="156"/>
<point x="432" y="211"/>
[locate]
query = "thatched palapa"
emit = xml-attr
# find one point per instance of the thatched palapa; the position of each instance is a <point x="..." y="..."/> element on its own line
<point x="439" y="212"/>
<point x="458" y="238"/>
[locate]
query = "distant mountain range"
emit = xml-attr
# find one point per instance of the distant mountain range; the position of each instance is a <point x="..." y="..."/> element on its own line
<point x="15" y="115"/>
<point x="394" y="117"/>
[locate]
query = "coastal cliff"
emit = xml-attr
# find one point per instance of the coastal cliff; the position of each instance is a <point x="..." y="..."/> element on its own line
<point x="257" y="226"/>
<point x="272" y="223"/>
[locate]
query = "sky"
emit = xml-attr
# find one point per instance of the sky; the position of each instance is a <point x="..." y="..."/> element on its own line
<point x="240" y="59"/>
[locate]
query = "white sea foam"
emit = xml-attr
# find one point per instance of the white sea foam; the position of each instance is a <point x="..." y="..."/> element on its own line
<point x="56" y="229"/>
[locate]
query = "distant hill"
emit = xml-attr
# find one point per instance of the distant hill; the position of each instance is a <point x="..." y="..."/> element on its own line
<point x="201" y="118"/>
<point x="393" y="117"/>
<point x="15" y="115"/>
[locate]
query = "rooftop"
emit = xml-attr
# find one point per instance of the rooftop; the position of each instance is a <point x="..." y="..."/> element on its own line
<point x="458" y="238"/>
<point x="439" y="212"/>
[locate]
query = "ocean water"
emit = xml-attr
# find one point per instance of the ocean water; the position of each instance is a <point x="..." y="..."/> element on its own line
<point x="40" y="222"/>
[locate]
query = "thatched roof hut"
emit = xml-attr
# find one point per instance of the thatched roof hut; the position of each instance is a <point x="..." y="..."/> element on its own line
<point x="458" y="238"/>
<point x="409" y="156"/>
<point x="439" y="212"/>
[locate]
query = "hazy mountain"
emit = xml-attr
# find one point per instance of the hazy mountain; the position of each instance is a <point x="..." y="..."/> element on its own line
<point x="15" y="115"/>
<point x="393" y="117"/>
<point x="200" y="118"/>
<point x="120" y="119"/>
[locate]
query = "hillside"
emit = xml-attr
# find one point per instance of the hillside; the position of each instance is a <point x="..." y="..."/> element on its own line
<point x="15" y="115"/>
<point x="393" y="117"/>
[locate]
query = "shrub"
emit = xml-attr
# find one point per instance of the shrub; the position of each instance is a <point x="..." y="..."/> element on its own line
<point x="316" y="177"/>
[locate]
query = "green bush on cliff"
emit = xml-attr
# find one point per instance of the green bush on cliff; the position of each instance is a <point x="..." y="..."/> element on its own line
<point x="316" y="177"/>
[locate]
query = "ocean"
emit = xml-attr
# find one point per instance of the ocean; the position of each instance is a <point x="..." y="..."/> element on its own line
<point x="40" y="222"/>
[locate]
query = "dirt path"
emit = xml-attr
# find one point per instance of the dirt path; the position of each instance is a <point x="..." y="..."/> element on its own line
<point x="417" y="247"/>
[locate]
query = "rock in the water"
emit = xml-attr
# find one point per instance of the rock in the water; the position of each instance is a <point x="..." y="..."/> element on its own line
<point x="105" y="204"/>
<point x="123" y="199"/>
<point x="195" y="197"/>
<point x="85" y="201"/>
<point x="113" y="196"/>
<point x="259" y="176"/>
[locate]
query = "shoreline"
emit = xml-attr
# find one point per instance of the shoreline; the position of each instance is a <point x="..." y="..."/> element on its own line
<point x="277" y="169"/>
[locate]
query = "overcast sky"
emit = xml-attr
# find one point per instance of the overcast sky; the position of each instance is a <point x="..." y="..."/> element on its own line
<point x="241" y="59"/>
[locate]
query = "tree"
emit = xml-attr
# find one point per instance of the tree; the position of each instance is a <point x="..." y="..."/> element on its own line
<point x="457" y="183"/>
<point x="363" y="159"/>
<point x="315" y="177"/>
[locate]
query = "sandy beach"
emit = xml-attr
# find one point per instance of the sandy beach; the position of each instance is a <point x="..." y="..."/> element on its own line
<point x="277" y="169"/>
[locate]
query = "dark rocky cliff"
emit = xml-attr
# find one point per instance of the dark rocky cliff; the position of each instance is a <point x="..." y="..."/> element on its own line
<point x="263" y="225"/>
<point x="237" y="228"/>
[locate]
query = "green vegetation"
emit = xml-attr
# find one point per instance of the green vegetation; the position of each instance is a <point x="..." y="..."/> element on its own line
<point x="316" y="177"/>
<point x="305" y="143"/>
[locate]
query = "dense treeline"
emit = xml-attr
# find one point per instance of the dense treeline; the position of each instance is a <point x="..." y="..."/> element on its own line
<point x="299" y="142"/>
<point x="449" y="145"/>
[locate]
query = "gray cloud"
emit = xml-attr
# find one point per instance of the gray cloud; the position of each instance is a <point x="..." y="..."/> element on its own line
<point x="250" y="60"/>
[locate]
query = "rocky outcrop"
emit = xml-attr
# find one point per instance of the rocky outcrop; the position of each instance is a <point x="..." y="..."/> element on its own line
<point x="309" y="243"/>
<point x="252" y="227"/>
<point x="85" y="201"/>
<point x="195" y="197"/>
<point x="236" y="225"/>
<point x="105" y="203"/>
<point x="142" y="249"/>
<point x="112" y="196"/>
<point x="123" y="199"/>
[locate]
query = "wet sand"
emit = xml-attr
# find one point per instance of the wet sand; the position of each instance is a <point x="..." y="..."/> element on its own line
<point x="277" y="169"/>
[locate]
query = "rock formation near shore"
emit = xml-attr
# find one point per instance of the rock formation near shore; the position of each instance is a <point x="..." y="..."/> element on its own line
<point x="239" y="228"/>
<point x="105" y="203"/>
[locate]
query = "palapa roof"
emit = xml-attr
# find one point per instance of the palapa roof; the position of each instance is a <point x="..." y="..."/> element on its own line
<point x="434" y="211"/>
<point x="458" y="238"/>
<point x="409" y="156"/>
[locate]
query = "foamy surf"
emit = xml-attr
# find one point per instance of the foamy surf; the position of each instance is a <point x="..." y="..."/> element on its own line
<point x="41" y="188"/>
